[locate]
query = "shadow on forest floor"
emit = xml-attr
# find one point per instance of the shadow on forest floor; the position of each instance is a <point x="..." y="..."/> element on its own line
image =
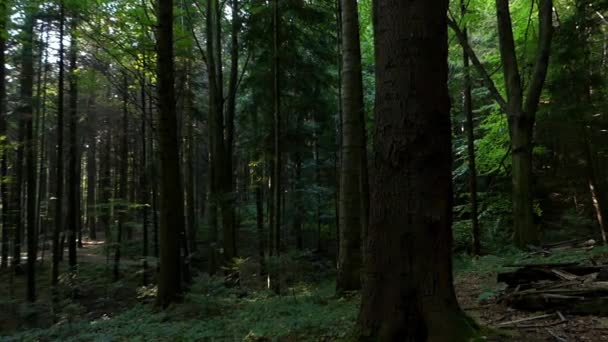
<point x="93" y="307"/>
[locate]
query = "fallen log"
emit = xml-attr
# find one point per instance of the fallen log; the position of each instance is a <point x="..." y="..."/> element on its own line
<point x="526" y="275"/>
<point x="578" y="301"/>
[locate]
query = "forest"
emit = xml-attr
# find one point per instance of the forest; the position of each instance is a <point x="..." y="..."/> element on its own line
<point x="303" y="170"/>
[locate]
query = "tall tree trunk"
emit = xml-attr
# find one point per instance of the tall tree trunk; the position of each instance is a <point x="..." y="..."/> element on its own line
<point x="172" y="204"/>
<point x="353" y="202"/>
<point x="74" y="180"/>
<point x="59" y="170"/>
<point x="3" y="153"/>
<point x="42" y="184"/>
<point x="467" y="100"/>
<point x="408" y="293"/>
<point x="123" y="177"/>
<point x="26" y="113"/>
<point x="521" y="111"/>
<point x="276" y="166"/>
<point x="228" y="201"/>
<point x="17" y="197"/>
<point x="145" y="190"/>
<point x="298" y="202"/>
<point x="190" y="181"/>
<point x="92" y="170"/>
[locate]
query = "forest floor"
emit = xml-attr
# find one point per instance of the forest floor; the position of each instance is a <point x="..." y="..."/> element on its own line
<point x="95" y="308"/>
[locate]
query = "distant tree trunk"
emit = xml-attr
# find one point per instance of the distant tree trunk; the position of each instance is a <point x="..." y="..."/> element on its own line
<point x="17" y="197"/>
<point x="521" y="111"/>
<point x="215" y="119"/>
<point x="3" y="154"/>
<point x="26" y="113"/>
<point x="74" y="180"/>
<point x="467" y="100"/>
<point x="145" y="190"/>
<point x="172" y="204"/>
<point x="276" y="166"/>
<point x="123" y="177"/>
<point x="298" y="203"/>
<point x="190" y="187"/>
<point x="105" y="184"/>
<point x="42" y="186"/>
<point x="59" y="170"/>
<point x="408" y="292"/>
<point x="92" y="171"/>
<point x="228" y="202"/>
<point x="353" y="202"/>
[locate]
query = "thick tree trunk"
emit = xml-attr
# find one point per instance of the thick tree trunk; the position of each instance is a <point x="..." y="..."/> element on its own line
<point x="172" y="204"/>
<point x="408" y="293"/>
<point x="525" y="233"/>
<point x="59" y="170"/>
<point x="353" y="202"/>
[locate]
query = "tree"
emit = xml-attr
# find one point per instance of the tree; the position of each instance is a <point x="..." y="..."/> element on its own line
<point x="172" y="204"/>
<point x="408" y="293"/>
<point x="27" y="115"/>
<point x="353" y="205"/>
<point x="520" y="110"/>
<point x="3" y="151"/>
<point x="59" y="152"/>
<point x="467" y="107"/>
<point x="73" y="212"/>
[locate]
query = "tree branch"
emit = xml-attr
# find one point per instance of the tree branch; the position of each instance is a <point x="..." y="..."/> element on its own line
<point x="545" y="17"/>
<point x="481" y="70"/>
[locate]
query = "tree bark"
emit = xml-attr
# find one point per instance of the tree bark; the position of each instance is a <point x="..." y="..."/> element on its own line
<point x="92" y="171"/>
<point x="26" y="113"/>
<point x="408" y="293"/>
<point x="59" y="170"/>
<point x="172" y="204"/>
<point x="123" y="177"/>
<point x="353" y="202"/>
<point x="3" y="153"/>
<point x="74" y="180"/>
<point x="521" y="112"/>
<point x="467" y="107"/>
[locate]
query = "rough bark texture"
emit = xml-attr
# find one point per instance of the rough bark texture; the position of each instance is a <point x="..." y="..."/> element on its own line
<point x="172" y="204"/>
<point x="408" y="293"/>
<point x="353" y="202"/>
